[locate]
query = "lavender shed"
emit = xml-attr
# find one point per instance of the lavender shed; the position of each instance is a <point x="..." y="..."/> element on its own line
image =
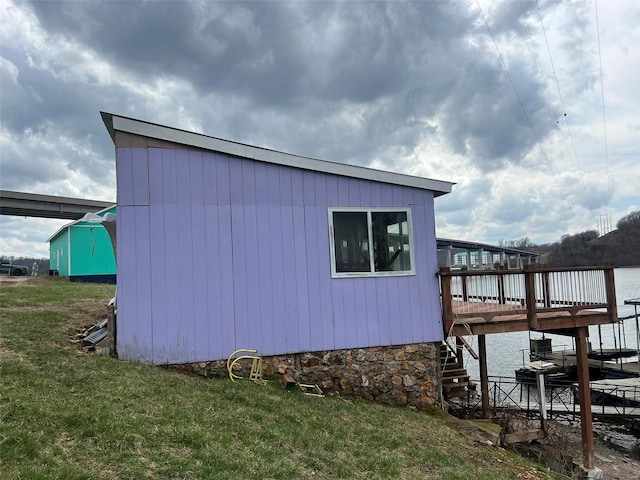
<point x="326" y="268"/>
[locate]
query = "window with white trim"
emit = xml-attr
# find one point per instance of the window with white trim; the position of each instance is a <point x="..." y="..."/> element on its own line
<point x="370" y="242"/>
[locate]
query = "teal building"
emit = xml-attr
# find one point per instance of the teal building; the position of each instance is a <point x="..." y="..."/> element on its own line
<point x="83" y="252"/>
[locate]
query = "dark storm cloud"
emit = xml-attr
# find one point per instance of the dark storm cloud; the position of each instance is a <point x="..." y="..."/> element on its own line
<point x="405" y="63"/>
<point x="228" y="47"/>
<point x="413" y="87"/>
<point x="18" y="101"/>
<point x="38" y="111"/>
<point x="36" y="96"/>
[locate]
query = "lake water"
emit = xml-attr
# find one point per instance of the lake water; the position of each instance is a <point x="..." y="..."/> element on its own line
<point x="506" y="352"/>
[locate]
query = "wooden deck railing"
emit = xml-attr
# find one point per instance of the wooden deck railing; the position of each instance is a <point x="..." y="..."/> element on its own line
<point x="532" y="293"/>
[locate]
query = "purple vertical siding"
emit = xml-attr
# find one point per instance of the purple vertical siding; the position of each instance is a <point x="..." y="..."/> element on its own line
<point x="157" y="248"/>
<point x="330" y="332"/>
<point x="124" y="176"/>
<point x="184" y="256"/>
<point x="251" y="240"/>
<point x="263" y="258"/>
<point x="313" y="244"/>
<point x="218" y="253"/>
<point x="199" y="248"/>
<point x="300" y="236"/>
<point x="140" y="184"/>
<point x="135" y="295"/>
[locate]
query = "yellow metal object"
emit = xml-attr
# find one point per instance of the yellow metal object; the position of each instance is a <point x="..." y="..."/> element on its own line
<point x="256" y="365"/>
<point x="311" y="390"/>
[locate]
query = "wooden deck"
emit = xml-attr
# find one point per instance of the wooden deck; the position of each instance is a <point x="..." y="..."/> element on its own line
<point x="539" y="299"/>
<point x="491" y="321"/>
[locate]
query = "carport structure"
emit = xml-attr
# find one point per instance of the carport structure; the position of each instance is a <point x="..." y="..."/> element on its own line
<point x="24" y="204"/>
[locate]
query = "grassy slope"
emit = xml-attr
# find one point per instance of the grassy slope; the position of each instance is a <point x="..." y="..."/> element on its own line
<point x="65" y="414"/>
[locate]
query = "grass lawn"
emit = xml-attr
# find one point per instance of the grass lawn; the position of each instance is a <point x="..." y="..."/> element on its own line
<point x="66" y="414"/>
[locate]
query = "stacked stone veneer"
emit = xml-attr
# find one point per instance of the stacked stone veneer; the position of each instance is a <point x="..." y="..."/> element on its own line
<point x="398" y="375"/>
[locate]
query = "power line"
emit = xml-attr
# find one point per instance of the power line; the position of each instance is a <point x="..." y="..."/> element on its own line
<point x="515" y="90"/>
<point x="604" y="117"/>
<point x="564" y="111"/>
<point x="504" y="66"/>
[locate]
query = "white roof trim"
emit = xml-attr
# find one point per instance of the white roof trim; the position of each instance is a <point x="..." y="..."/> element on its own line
<point x="67" y="225"/>
<point x="138" y="127"/>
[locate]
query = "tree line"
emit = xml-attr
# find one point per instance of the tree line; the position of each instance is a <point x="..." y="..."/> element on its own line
<point x="621" y="247"/>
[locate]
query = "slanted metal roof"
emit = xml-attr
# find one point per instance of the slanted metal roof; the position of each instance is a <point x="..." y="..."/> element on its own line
<point x="116" y="123"/>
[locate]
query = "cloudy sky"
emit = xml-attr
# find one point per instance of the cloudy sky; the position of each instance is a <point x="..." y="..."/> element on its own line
<point x="531" y="107"/>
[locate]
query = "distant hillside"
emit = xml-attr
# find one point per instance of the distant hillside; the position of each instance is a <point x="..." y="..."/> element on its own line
<point x="620" y="247"/>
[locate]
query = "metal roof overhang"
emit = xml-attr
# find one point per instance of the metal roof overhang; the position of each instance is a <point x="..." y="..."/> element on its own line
<point x="115" y="123"/>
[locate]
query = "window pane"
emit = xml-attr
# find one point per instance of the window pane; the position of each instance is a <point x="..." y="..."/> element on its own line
<point x="392" y="251"/>
<point x="351" y="240"/>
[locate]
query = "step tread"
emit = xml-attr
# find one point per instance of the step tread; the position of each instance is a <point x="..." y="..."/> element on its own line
<point x="454" y="372"/>
<point x="451" y="386"/>
<point x="451" y="366"/>
<point x="451" y="381"/>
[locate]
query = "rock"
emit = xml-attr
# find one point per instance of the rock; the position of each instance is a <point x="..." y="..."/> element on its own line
<point x="328" y="384"/>
<point x="287" y="381"/>
<point x="310" y="361"/>
<point x="408" y="381"/>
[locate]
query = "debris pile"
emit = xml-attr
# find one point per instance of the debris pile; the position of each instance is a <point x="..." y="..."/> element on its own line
<point x="89" y="338"/>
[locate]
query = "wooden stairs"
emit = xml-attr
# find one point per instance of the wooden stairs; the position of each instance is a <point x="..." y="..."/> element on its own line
<point x="456" y="383"/>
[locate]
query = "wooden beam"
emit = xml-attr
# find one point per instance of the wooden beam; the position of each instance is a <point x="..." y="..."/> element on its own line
<point x="584" y="392"/>
<point x="524" y="436"/>
<point x="530" y="295"/>
<point x="469" y="348"/>
<point x="610" y="287"/>
<point x="484" y="376"/>
<point x="447" y="308"/>
<point x="459" y="352"/>
<point x="522" y="324"/>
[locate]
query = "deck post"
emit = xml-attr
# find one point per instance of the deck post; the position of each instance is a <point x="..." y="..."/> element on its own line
<point x="584" y="393"/>
<point x="484" y="376"/>
<point x="465" y="291"/>
<point x="449" y="254"/>
<point x="447" y="307"/>
<point x="459" y="351"/>
<point x="530" y="296"/>
<point x="547" y="289"/>
<point x="610" y="287"/>
<point x="501" y="295"/>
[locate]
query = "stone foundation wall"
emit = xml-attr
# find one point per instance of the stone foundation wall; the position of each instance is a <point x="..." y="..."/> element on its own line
<point x="397" y="375"/>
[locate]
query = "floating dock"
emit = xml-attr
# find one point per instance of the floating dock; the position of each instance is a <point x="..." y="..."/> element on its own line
<point x="616" y="392"/>
<point x="613" y="363"/>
